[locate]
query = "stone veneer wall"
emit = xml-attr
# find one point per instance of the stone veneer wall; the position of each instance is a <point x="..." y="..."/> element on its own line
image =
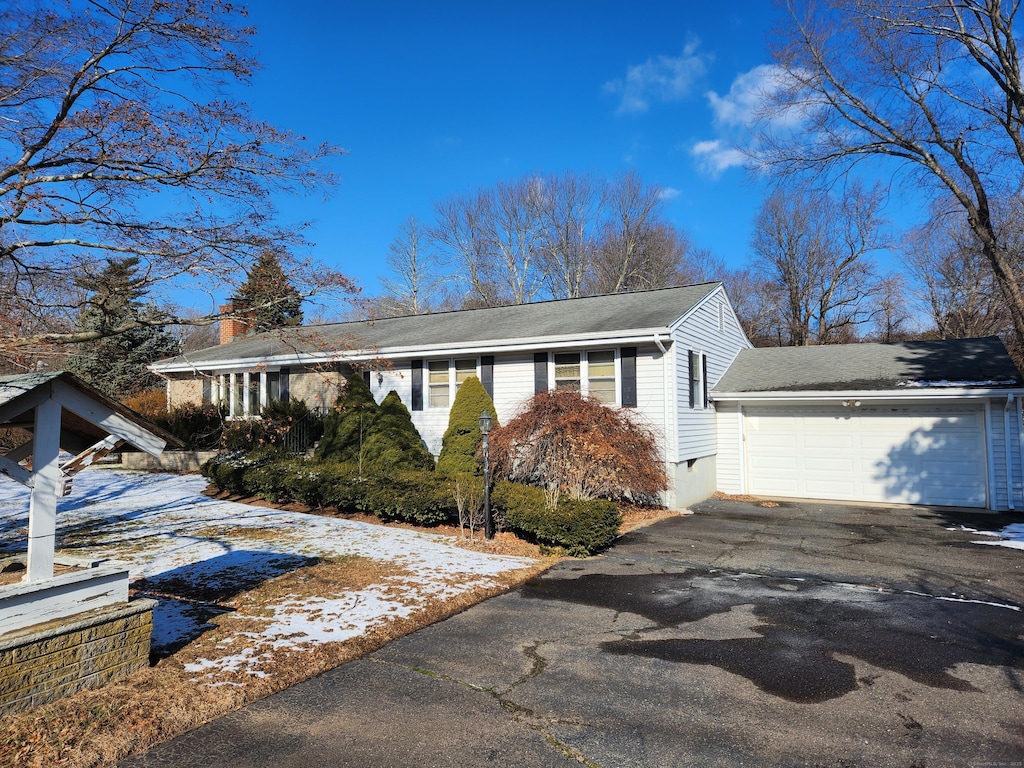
<point x="49" y="661"/>
<point x="168" y="461"/>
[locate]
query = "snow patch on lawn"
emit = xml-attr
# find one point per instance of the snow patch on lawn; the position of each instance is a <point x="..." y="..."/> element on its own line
<point x="171" y="535"/>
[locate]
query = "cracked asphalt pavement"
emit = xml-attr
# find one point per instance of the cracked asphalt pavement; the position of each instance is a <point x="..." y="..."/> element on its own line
<point x="798" y="635"/>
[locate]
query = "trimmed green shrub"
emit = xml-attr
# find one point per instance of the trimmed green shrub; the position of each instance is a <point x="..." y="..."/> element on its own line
<point x="414" y="496"/>
<point x="418" y="497"/>
<point x="580" y="527"/>
<point x="199" y="427"/>
<point x="461" y="443"/>
<point x="348" y="423"/>
<point x="394" y="442"/>
<point x="233" y="471"/>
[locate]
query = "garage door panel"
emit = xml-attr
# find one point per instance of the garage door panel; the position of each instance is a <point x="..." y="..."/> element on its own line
<point x="871" y="454"/>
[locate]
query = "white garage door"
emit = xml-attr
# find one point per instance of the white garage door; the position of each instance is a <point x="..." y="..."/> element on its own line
<point x="897" y="455"/>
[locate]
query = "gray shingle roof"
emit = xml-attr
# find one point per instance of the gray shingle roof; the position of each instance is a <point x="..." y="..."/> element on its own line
<point x="594" y="315"/>
<point x="909" y="365"/>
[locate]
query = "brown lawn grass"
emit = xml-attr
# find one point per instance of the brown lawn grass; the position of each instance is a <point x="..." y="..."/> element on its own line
<point x="100" y="727"/>
<point x="96" y="728"/>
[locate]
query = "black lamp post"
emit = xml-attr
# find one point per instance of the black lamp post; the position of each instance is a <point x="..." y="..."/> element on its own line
<point x="485" y="430"/>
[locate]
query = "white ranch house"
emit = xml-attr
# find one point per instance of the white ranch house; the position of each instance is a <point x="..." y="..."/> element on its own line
<point x="920" y="422"/>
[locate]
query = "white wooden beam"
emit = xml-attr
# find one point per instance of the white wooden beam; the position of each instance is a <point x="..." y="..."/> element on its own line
<point x="103" y="416"/>
<point x="42" y="509"/>
<point x="23" y="403"/>
<point x="23" y="451"/>
<point x="15" y="471"/>
<point x="90" y="455"/>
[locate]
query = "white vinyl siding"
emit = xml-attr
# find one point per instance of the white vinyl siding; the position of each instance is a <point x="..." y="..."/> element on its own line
<point x="696" y="430"/>
<point x="1001" y="442"/>
<point x="730" y="472"/>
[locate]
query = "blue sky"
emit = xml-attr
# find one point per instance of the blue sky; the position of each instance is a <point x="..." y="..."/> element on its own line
<point x="432" y="100"/>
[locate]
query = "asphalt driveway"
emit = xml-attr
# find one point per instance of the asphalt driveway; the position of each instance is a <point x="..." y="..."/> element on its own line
<point x="802" y="634"/>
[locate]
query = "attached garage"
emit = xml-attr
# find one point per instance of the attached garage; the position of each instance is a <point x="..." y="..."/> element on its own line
<point x="897" y="454"/>
<point x="935" y="423"/>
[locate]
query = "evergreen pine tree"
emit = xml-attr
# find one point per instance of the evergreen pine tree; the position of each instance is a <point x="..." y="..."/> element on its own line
<point x="272" y="301"/>
<point x="348" y="424"/>
<point x="394" y="442"/>
<point x="462" y="438"/>
<point x="116" y="363"/>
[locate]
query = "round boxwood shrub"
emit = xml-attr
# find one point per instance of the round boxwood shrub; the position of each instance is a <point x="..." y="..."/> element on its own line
<point x="579" y="527"/>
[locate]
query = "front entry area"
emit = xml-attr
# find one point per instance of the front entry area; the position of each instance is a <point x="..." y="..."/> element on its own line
<point x="885" y="454"/>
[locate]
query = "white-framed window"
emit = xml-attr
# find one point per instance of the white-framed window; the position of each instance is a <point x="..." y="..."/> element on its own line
<point x="567" y="371"/>
<point x="601" y="375"/>
<point x="593" y="373"/>
<point x="698" y="379"/>
<point x="463" y="370"/>
<point x="444" y="377"/>
<point x="437" y="383"/>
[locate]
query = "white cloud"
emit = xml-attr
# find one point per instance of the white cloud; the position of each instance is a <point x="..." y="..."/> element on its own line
<point x="715" y="156"/>
<point x="749" y="92"/>
<point x="663" y="78"/>
<point x="667" y="193"/>
<point x="735" y="115"/>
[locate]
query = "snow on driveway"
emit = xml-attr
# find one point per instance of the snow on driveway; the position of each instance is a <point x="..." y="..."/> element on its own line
<point x="167" y="532"/>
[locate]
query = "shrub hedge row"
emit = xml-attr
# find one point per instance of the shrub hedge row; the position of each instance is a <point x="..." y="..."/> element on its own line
<point x="415" y="496"/>
<point x="580" y="527"/>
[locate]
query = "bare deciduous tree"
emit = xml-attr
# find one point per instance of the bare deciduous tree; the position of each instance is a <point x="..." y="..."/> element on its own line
<point x="417" y="285"/>
<point x="638" y="250"/>
<point x="116" y="139"/>
<point x="935" y="86"/>
<point x="952" y="281"/>
<point x="813" y="247"/>
<point x="558" y="236"/>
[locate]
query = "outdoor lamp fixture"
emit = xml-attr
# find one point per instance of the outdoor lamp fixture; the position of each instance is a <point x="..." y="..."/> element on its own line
<point x="485" y="430"/>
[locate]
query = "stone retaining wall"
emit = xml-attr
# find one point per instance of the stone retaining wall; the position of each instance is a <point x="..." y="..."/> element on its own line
<point x="49" y="661"/>
<point x="168" y="461"/>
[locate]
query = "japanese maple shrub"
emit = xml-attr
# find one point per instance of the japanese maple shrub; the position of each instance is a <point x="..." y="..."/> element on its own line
<point x="576" y="447"/>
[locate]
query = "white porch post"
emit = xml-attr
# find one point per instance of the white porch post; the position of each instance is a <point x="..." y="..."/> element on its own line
<point x="232" y="394"/>
<point x="246" y="397"/>
<point x="42" y="509"/>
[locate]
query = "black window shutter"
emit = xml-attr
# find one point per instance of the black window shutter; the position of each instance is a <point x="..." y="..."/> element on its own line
<point x="540" y="372"/>
<point x="366" y="378"/>
<point x="487" y="374"/>
<point x="417" y="385"/>
<point x="283" y="384"/>
<point x="690" y="378"/>
<point x="704" y="379"/>
<point x="627" y="358"/>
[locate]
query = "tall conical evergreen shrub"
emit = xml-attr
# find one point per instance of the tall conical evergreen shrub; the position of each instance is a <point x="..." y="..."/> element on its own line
<point x="394" y="442"/>
<point x="349" y="423"/>
<point x="462" y="438"/>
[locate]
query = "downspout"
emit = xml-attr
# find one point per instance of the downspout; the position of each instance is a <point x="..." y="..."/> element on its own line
<point x="1006" y="450"/>
<point x="669" y="409"/>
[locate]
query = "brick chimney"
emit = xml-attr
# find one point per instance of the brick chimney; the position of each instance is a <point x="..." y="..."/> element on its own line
<point x="231" y="328"/>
